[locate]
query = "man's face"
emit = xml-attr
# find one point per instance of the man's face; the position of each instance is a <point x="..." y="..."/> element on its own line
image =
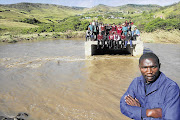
<point x="149" y="69"/>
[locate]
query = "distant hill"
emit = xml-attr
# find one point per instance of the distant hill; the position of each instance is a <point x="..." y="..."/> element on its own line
<point x="124" y="8"/>
<point x="169" y="11"/>
<point x="42" y="12"/>
<point x="100" y="8"/>
<point x="51" y="12"/>
<point x="12" y="14"/>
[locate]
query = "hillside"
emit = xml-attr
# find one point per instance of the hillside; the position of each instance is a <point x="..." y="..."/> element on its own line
<point x="29" y="18"/>
<point x="52" y="13"/>
<point x="138" y="8"/>
<point x="170" y="11"/>
<point x="42" y="12"/>
<point x="49" y="13"/>
<point x="124" y="8"/>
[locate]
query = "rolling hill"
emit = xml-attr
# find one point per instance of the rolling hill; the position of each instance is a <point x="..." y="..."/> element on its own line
<point x="124" y="8"/>
<point x="42" y="12"/>
<point x="50" y="13"/>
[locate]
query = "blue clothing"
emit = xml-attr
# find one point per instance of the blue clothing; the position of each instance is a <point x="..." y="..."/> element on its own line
<point x="126" y="42"/>
<point x="125" y="29"/>
<point x="94" y="28"/>
<point x="137" y="32"/>
<point x="163" y="93"/>
<point x="128" y="38"/>
<point x="91" y="27"/>
<point x="132" y="33"/>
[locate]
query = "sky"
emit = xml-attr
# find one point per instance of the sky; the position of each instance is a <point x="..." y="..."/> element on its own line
<point x="91" y="3"/>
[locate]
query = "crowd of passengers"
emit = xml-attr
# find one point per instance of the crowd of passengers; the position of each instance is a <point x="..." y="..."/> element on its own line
<point x="112" y="36"/>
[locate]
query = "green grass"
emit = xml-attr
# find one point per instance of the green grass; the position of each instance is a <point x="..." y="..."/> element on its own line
<point x="171" y="10"/>
<point x="8" y="26"/>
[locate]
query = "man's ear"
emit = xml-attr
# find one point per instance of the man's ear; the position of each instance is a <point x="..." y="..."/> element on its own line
<point x="159" y="65"/>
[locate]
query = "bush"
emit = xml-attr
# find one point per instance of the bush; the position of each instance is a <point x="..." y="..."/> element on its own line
<point x="30" y="21"/>
<point x="71" y="23"/>
<point x="159" y="23"/>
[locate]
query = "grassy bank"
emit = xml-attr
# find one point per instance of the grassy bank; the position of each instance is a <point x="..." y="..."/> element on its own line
<point x="9" y="38"/>
<point x="161" y="36"/>
<point x="153" y="37"/>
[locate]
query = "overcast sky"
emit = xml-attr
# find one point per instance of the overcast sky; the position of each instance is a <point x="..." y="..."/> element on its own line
<point x="91" y="3"/>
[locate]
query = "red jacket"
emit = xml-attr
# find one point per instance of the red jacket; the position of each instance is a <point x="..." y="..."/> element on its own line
<point x="102" y="28"/>
<point x="119" y="30"/>
<point x="123" y="36"/>
<point x="111" y="37"/>
<point x="114" y="28"/>
<point x="100" y="37"/>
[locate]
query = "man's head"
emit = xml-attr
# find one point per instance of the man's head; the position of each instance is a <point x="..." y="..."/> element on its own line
<point x="149" y="66"/>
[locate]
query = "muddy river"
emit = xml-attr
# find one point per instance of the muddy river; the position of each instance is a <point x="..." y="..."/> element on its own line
<point x="52" y="80"/>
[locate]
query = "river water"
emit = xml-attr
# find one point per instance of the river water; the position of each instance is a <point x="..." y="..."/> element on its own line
<point x="52" y="80"/>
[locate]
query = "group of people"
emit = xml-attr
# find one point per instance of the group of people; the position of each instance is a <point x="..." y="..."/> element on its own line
<point x="112" y="36"/>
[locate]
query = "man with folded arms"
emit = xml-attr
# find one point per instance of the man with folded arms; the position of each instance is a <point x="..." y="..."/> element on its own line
<point x="152" y="96"/>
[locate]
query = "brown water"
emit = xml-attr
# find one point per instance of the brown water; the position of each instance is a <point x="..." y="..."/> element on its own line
<point x="52" y="80"/>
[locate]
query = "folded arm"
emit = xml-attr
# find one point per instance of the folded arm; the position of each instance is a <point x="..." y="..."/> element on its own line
<point x="155" y="113"/>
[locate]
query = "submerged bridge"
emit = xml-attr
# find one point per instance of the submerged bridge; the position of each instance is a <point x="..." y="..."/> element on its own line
<point x="91" y="49"/>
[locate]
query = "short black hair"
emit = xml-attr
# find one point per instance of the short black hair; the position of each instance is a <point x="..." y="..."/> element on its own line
<point x="149" y="55"/>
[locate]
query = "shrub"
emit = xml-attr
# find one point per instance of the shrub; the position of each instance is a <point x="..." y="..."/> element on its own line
<point x="30" y="21"/>
<point x="71" y="23"/>
<point x="159" y="23"/>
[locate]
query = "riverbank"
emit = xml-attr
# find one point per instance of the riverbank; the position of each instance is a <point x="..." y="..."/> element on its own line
<point x="9" y="38"/>
<point x="159" y="36"/>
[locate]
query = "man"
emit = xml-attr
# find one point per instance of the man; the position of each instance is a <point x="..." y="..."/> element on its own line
<point x="136" y="33"/>
<point x="89" y="35"/>
<point x="90" y="26"/>
<point x="124" y="28"/>
<point x="123" y="38"/>
<point x="119" y="29"/>
<point x="95" y="31"/>
<point x="152" y="96"/>
<point x="126" y="23"/>
<point x="116" y="40"/>
<point x="113" y="28"/>
<point x="128" y="38"/>
<point x="110" y="40"/>
<point x="100" y="40"/>
<point x="108" y="29"/>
